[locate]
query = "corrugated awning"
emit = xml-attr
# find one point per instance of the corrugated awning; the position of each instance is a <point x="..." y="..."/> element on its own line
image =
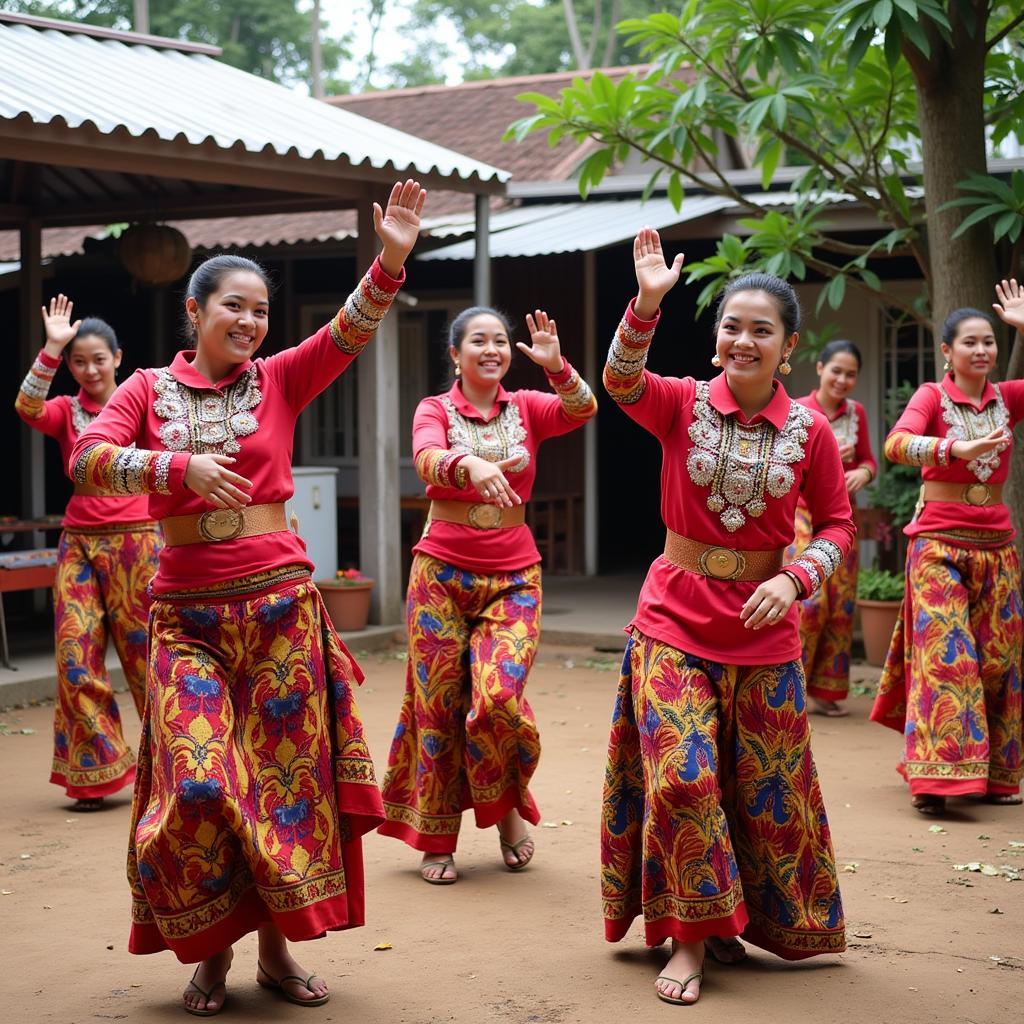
<point x="577" y="227"/>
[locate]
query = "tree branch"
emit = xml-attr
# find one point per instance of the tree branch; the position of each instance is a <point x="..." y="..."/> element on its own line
<point x="574" y="34"/>
<point x="609" y="45"/>
<point x="1004" y="31"/>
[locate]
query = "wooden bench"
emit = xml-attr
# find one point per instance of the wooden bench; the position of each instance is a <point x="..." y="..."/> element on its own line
<point x="23" y="570"/>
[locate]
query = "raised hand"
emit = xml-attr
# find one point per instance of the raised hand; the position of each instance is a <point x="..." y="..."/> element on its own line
<point x="210" y="478"/>
<point x="968" y="450"/>
<point x="398" y="226"/>
<point x="1010" y="307"/>
<point x="59" y="329"/>
<point x="544" y="336"/>
<point x="653" y="276"/>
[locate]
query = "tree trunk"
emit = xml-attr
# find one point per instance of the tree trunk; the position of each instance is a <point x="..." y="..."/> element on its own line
<point x="316" y="71"/>
<point x="141" y="16"/>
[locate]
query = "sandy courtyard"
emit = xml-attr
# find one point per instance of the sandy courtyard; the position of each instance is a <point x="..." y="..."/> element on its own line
<point x="928" y="942"/>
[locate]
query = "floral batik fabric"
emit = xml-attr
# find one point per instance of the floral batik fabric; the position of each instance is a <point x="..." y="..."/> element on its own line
<point x="712" y="818"/>
<point x="99" y="595"/>
<point x="826" y="619"/>
<point x="466" y="735"/>
<point x="254" y="783"/>
<point x="952" y="678"/>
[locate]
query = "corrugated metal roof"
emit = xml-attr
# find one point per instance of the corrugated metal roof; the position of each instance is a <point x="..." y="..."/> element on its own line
<point x="577" y="227"/>
<point x="66" y="77"/>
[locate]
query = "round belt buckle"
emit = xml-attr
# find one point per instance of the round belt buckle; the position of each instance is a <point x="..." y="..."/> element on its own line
<point x="722" y="563"/>
<point x="221" y="524"/>
<point x="978" y="494"/>
<point x="484" y="516"/>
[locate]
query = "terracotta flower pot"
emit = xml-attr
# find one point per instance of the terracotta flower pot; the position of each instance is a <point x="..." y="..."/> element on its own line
<point x="877" y="621"/>
<point x="348" y="605"/>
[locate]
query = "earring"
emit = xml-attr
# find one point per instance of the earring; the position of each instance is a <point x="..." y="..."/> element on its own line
<point x="458" y="370"/>
<point x="715" y="361"/>
<point x="947" y="366"/>
<point x="784" y="368"/>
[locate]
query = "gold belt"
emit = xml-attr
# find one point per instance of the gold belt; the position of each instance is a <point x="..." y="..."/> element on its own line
<point x="478" y="514"/>
<point x="977" y="494"/>
<point x="93" y="492"/>
<point x="224" y="524"/>
<point x="721" y="563"/>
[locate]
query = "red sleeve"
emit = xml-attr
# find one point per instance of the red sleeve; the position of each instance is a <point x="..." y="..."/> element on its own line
<point x="823" y="487"/>
<point x="302" y="372"/>
<point x="863" y="456"/>
<point x="47" y="416"/>
<point x="570" y="407"/>
<point x="909" y="442"/>
<point x="103" y="455"/>
<point x="1013" y="395"/>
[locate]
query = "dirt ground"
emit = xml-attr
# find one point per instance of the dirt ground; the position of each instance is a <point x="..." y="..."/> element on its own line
<point x="928" y="942"/>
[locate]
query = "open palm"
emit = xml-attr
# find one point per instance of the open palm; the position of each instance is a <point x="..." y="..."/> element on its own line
<point x="398" y="226"/>
<point x="57" y="321"/>
<point x="1011" y="303"/>
<point x="545" y="350"/>
<point x="654" y="277"/>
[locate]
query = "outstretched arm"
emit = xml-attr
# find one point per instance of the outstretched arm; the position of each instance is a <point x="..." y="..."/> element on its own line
<point x="576" y="402"/>
<point x="60" y="331"/>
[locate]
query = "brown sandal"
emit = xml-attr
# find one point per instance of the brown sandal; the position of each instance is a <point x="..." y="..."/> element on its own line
<point x="277" y="984"/>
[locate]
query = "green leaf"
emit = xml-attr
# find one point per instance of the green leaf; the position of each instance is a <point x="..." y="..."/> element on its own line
<point x="770" y="157"/>
<point x="1006" y="223"/>
<point x="893" y="41"/>
<point x="871" y="279"/>
<point x="882" y="13"/>
<point x="675" y="190"/>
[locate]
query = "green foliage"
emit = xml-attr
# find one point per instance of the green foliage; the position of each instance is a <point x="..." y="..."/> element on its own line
<point x="898" y="486"/>
<point x="269" y="38"/>
<point x="879" y="585"/>
<point x="995" y="201"/>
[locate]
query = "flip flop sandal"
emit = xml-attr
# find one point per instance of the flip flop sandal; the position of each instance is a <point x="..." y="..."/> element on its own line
<point x="207" y="996"/>
<point x="513" y="848"/>
<point x="277" y="985"/>
<point x="448" y="862"/>
<point x="699" y="975"/>
<point x="88" y="803"/>
<point x="929" y="805"/>
<point x="715" y="946"/>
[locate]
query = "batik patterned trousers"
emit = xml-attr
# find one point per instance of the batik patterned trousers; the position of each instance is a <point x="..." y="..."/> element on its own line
<point x="952" y="678"/>
<point x="255" y="783"/>
<point x="99" y="594"/>
<point x="712" y="820"/>
<point x="466" y="735"/>
<point x="826" y="620"/>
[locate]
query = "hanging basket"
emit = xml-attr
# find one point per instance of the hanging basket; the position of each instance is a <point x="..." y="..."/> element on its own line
<point x="155" y="253"/>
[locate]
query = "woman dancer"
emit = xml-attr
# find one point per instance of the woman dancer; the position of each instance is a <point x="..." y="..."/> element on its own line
<point x="713" y="824"/>
<point x="466" y="735"/>
<point x="255" y="783"/>
<point x="105" y="559"/>
<point x="952" y="679"/>
<point x="826" y="617"/>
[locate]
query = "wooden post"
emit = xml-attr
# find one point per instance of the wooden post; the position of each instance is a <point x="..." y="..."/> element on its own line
<point x="30" y="298"/>
<point x="592" y="374"/>
<point x="482" y="255"/>
<point x="380" y="547"/>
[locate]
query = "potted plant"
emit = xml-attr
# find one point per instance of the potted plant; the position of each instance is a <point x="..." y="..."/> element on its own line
<point x="347" y="598"/>
<point x="879" y="594"/>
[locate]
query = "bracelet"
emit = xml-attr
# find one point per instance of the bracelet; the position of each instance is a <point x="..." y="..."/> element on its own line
<point x="796" y="582"/>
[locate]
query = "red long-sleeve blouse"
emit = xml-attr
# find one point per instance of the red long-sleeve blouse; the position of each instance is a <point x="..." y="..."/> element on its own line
<point x="935" y="417"/>
<point x="729" y="481"/>
<point x="175" y="412"/>
<point x="64" y="418"/>
<point x="447" y="428"/>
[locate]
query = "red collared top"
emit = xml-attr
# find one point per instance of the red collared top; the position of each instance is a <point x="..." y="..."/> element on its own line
<point x="449" y="427"/>
<point x="173" y="412"/>
<point x="938" y="415"/>
<point x="64" y="418"/>
<point x="850" y="426"/>
<point x="729" y="481"/>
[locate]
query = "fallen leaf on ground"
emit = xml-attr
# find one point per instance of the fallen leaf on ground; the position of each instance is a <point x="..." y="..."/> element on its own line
<point x="382" y="946"/>
<point x="6" y="892"/>
<point x="566" y="821"/>
<point x="549" y="824"/>
<point x="983" y="836"/>
<point x="862" y="935"/>
<point x="1015" y="844"/>
<point x="995" y="910"/>
<point x="851" y="868"/>
<point x="937" y="829"/>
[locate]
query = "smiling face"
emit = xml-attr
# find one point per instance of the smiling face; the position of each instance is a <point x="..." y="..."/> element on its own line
<point x="838" y="377"/>
<point x="484" y="352"/>
<point x="751" y="340"/>
<point x="92" y="364"/>
<point x="232" y="323"/>
<point x="973" y="351"/>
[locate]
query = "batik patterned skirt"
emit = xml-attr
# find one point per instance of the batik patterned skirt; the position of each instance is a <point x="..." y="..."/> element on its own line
<point x="99" y="595"/>
<point x="952" y="678"/>
<point x="712" y="820"/>
<point x="826" y="620"/>
<point x="466" y="735"/>
<point x="255" y="783"/>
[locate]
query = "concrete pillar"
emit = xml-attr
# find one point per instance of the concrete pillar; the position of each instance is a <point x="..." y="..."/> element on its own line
<point x="380" y="539"/>
<point x="482" y="255"/>
<point x="592" y="375"/>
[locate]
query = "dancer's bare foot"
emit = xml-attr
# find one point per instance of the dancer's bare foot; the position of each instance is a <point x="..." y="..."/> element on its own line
<point x="725" y="950"/>
<point x="516" y="843"/>
<point x="204" y="995"/>
<point x="828" y="708"/>
<point x="928" y="803"/>
<point x="680" y="981"/>
<point x="438" y="869"/>
<point x="279" y="969"/>
<point x="1003" y="799"/>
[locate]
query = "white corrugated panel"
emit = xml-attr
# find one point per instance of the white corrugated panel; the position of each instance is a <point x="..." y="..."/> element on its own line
<point x="57" y="76"/>
<point x="581" y="227"/>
